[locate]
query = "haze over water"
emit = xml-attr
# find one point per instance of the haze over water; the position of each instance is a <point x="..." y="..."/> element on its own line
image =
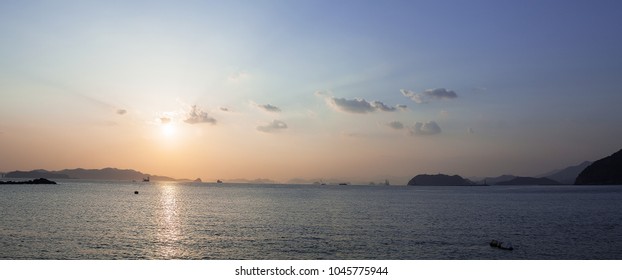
<point x="106" y="220"/>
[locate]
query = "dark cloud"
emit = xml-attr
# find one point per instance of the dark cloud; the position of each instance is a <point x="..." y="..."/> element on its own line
<point x="440" y="93"/>
<point x="428" y="128"/>
<point x="196" y="115"/>
<point x="357" y="105"/>
<point x="269" y="108"/>
<point x="224" y="109"/>
<point x="121" y="111"/>
<point x="402" y="107"/>
<point x="395" y="125"/>
<point x="274" y="126"/>
<point x="435" y="93"/>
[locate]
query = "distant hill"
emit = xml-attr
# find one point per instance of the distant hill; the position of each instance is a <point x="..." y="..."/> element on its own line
<point x="255" y="181"/>
<point x="605" y="171"/>
<point x="568" y="175"/>
<point x="439" y="180"/>
<point x="89" y="174"/>
<point x="526" y="181"/>
<point x="496" y="180"/>
<point x="39" y="173"/>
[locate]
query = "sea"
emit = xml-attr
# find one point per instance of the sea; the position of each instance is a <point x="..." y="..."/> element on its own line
<point x="169" y="220"/>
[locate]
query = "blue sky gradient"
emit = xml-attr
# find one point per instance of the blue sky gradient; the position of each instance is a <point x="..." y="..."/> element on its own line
<point x="537" y="86"/>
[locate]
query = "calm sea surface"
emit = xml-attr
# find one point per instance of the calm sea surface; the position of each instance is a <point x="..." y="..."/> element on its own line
<point x="106" y="220"/>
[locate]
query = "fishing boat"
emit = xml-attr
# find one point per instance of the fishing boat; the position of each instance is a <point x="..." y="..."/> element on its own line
<point x="146" y="179"/>
<point x="501" y="245"/>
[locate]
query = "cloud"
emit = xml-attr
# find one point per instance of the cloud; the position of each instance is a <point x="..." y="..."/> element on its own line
<point x="395" y="125"/>
<point x="224" y="109"/>
<point x="269" y="108"/>
<point x="417" y="97"/>
<point x="402" y="107"/>
<point x="196" y="115"/>
<point x="165" y="120"/>
<point x="440" y="93"/>
<point x="435" y="93"/>
<point x="121" y="111"/>
<point x="428" y="128"/>
<point x="357" y="105"/>
<point x="382" y="107"/>
<point x="274" y="126"/>
<point x="323" y="93"/>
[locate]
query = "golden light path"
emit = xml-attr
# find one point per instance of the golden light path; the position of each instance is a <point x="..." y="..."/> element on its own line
<point x="169" y="226"/>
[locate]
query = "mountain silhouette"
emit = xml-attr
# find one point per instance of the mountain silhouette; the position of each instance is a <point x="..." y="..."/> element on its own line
<point x="605" y="171"/>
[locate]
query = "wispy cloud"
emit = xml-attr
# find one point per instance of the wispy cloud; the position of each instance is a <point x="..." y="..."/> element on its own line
<point x="165" y="120"/>
<point x="269" y="108"/>
<point x="274" y="126"/>
<point x="395" y="125"/>
<point x="224" y="109"/>
<point x="121" y="111"/>
<point x="428" y="94"/>
<point x="357" y="105"/>
<point x="238" y="76"/>
<point x="196" y="115"/>
<point x="427" y="128"/>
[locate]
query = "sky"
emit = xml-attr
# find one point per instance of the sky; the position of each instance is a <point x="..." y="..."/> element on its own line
<point x="308" y="90"/>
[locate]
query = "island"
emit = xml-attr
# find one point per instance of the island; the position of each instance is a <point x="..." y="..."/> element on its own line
<point x="40" y="181"/>
<point x="439" y="180"/>
<point x="605" y="171"/>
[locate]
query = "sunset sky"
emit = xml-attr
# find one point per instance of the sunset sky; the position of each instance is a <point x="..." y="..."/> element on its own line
<point x="354" y="90"/>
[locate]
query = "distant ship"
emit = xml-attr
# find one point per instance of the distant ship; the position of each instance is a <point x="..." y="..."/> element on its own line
<point x="219" y="181"/>
<point x="386" y="182"/>
<point x="146" y="179"/>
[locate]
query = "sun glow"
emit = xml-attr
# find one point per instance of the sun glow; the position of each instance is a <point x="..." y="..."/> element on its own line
<point x="168" y="130"/>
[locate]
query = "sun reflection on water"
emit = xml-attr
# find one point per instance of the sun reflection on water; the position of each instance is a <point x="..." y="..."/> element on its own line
<point x="169" y="225"/>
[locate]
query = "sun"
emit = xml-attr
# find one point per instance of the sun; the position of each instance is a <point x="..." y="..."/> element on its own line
<point x="168" y="129"/>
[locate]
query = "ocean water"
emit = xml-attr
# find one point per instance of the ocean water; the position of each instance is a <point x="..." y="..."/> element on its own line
<point x="106" y="220"/>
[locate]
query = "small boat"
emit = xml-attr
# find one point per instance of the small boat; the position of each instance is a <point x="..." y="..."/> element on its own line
<point x="219" y="181"/>
<point x="386" y="182"/>
<point x="501" y="245"/>
<point x="146" y="179"/>
<point x="343" y="184"/>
